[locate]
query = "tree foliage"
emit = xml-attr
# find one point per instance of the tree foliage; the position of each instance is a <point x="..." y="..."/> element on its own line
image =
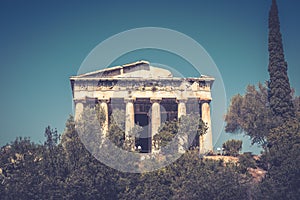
<point x="52" y="137"/>
<point x="190" y="125"/>
<point x="116" y="132"/>
<point x="206" y="179"/>
<point x="271" y="117"/>
<point x="69" y="171"/>
<point x="232" y="147"/>
<point x="283" y="160"/>
<point x="282" y="156"/>
<point x="250" y="114"/>
<point x="280" y="94"/>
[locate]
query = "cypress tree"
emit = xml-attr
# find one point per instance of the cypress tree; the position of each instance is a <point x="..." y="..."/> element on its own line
<point x="282" y="158"/>
<point x="280" y="97"/>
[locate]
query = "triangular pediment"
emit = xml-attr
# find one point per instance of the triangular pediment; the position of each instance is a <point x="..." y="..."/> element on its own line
<point x="139" y="69"/>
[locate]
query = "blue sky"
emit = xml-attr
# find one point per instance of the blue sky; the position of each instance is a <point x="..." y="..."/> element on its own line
<point x="43" y="43"/>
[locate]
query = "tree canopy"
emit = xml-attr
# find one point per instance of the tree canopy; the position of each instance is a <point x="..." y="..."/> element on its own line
<point x="69" y="171"/>
<point x="270" y="116"/>
<point x="250" y="114"/>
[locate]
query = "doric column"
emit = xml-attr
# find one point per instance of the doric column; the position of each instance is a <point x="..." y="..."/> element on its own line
<point x="182" y="138"/>
<point x="78" y="109"/>
<point x="206" y="140"/>
<point x="129" y="121"/>
<point x="181" y="107"/>
<point x="103" y="105"/>
<point x="155" y="120"/>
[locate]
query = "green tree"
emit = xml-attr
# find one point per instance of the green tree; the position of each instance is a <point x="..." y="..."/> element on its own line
<point x="282" y="156"/>
<point x="52" y="166"/>
<point x="232" y="147"/>
<point x="116" y="132"/>
<point x="282" y="162"/>
<point x="297" y="107"/>
<point x="280" y="95"/>
<point x="52" y="137"/>
<point x="53" y="163"/>
<point x="196" y="178"/>
<point x="89" y="129"/>
<point x="87" y="177"/>
<point x="193" y="126"/>
<point x="190" y="125"/>
<point x="166" y="134"/>
<point x="152" y="185"/>
<point x="19" y="163"/>
<point x="71" y="143"/>
<point x="246" y="161"/>
<point x="189" y="177"/>
<point x="250" y="114"/>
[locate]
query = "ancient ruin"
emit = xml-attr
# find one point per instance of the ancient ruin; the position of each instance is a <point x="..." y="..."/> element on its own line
<point x="148" y="95"/>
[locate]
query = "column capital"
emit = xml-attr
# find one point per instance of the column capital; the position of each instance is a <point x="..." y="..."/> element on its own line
<point x="103" y="100"/>
<point x="79" y="100"/>
<point x="129" y="99"/>
<point x="181" y="100"/>
<point x="155" y="99"/>
<point x="204" y="100"/>
<point x="86" y="100"/>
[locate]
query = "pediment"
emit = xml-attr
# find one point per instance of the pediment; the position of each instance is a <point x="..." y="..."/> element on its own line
<point x="139" y="69"/>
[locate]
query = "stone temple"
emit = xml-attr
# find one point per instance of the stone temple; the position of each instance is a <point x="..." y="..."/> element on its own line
<point x="149" y="96"/>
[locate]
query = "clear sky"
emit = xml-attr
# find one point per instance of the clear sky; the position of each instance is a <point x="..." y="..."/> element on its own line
<point x="43" y="43"/>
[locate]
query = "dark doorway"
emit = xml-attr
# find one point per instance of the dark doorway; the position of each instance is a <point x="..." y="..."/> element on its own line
<point x="169" y="109"/>
<point x="144" y="140"/>
<point x="141" y="118"/>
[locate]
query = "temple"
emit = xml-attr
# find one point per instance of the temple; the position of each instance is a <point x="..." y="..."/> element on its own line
<point x="149" y="96"/>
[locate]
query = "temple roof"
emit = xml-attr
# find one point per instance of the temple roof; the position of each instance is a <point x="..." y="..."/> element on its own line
<point x="139" y="69"/>
<point x="139" y="75"/>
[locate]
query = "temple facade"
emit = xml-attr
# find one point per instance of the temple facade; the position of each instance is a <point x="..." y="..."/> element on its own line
<point x="148" y="95"/>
